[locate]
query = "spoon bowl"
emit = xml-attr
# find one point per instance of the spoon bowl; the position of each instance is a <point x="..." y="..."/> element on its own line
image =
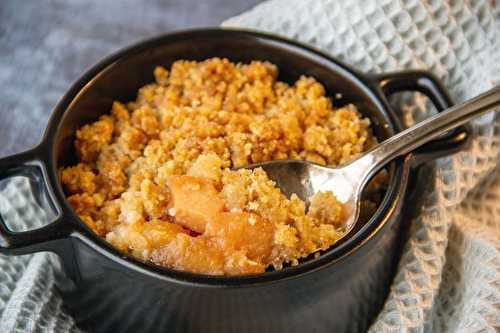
<point x="305" y="179"/>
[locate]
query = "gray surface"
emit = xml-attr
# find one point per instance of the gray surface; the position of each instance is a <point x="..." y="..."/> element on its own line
<point x="46" y="45"/>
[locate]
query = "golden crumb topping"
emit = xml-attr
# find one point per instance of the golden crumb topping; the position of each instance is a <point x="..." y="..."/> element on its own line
<point x="156" y="177"/>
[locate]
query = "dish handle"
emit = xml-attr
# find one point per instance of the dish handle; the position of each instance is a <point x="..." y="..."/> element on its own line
<point x="43" y="238"/>
<point x="427" y="84"/>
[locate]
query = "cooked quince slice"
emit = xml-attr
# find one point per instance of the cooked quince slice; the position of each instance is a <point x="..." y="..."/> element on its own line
<point x="241" y="231"/>
<point x="195" y="201"/>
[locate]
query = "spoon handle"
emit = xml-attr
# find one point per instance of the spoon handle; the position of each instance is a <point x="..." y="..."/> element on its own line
<point x="427" y="130"/>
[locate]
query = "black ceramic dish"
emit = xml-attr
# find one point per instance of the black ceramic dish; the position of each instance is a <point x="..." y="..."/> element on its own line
<point x="106" y="290"/>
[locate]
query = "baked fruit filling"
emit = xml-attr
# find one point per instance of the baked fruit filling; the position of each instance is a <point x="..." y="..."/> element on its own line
<point x="156" y="177"/>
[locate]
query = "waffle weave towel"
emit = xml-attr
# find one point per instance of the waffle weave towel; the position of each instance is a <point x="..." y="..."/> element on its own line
<point x="448" y="279"/>
<point x="449" y="275"/>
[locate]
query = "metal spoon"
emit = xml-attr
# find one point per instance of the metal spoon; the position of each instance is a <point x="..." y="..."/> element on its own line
<point x="348" y="181"/>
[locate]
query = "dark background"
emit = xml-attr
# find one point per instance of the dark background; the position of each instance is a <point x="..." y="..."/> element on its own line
<point x="46" y="45"/>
